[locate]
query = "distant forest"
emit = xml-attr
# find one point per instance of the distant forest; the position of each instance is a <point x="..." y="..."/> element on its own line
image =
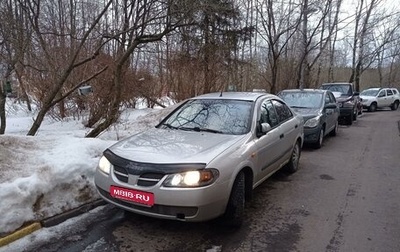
<point x="53" y="51"/>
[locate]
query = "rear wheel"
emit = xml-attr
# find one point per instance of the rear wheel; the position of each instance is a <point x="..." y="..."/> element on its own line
<point x="293" y="164"/>
<point x="395" y="105"/>
<point x="355" y="114"/>
<point x="233" y="216"/>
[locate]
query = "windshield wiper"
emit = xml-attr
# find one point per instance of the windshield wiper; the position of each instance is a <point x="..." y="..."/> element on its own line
<point x="198" y="129"/>
<point x="169" y="126"/>
<point x="298" y="107"/>
<point x="208" y="130"/>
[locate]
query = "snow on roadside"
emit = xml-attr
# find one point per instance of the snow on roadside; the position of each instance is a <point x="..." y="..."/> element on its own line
<point x="52" y="172"/>
<point x="44" y="176"/>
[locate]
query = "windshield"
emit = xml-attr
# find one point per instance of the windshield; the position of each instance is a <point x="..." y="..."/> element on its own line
<point x="302" y="99"/>
<point x="343" y="89"/>
<point x="370" y="92"/>
<point x="217" y="115"/>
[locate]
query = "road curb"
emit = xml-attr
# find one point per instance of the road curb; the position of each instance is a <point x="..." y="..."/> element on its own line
<point x="57" y="219"/>
<point x="49" y="222"/>
<point x="20" y="233"/>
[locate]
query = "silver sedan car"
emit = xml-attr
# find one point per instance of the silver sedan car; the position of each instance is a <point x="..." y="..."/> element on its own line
<point x="204" y="159"/>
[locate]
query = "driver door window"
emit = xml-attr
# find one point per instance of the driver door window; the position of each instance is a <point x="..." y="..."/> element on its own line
<point x="268" y="114"/>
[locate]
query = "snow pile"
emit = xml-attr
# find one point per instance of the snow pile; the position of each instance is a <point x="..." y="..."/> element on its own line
<point x="53" y="172"/>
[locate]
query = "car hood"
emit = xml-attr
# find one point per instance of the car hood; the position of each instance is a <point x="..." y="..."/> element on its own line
<point x="366" y="96"/>
<point x="341" y="97"/>
<point x="173" y="146"/>
<point x="307" y="112"/>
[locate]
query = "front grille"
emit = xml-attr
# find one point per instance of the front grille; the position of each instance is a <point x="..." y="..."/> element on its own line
<point x="146" y="179"/>
<point x="172" y="211"/>
<point x="121" y="173"/>
<point x="149" y="179"/>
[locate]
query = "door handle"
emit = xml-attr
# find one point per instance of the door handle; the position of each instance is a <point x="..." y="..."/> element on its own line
<point x="282" y="136"/>
<point x="296" y="126"/>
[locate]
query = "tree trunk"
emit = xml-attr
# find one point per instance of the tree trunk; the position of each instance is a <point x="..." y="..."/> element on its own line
<point x="2" y="110"/>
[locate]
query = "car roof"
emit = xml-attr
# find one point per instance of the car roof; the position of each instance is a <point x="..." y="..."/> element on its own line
<point x="308" y="90"/>
<point x="372" y="89"/>
<point x="245" y="96"/>
<point x="337" y="83"/>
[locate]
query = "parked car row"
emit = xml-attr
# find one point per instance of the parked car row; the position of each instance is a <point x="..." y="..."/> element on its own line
<point x="203" y="160"/>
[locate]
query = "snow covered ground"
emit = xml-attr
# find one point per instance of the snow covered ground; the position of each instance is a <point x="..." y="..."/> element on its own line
<point x="52" y="172"/>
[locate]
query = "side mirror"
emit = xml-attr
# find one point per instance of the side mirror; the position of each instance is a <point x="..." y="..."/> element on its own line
<point x="263" y="129"/>
<point x="331" y="106"/>
<point x="356" y="93"/>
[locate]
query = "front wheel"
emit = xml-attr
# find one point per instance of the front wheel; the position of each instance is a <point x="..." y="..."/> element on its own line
<point x="350" y="120"/>
<point x="233" y="216"/>
<point x="293" y="164"/>
<point x="372" y="107"/>
<point x="335" y="130"/>
<point x="318" y="144"/>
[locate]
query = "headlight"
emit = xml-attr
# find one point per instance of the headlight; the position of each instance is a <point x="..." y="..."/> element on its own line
<point x="191" y="178"/>
<point x="312" y="122"/>
<point x="104" y="165"/>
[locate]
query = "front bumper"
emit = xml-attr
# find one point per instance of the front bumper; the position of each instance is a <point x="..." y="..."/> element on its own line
<point x="185" y="204"/>
<point x="311" y="135"/>
<point x="346" y="112"/>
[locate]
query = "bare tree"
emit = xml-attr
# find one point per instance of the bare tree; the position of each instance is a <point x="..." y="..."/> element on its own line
<point x="143" y="22"/>
<point x="14" y="37"/>
<point x="362" y="29"/>
<point x="50" y="65"/>
<point x="279" y="23"/>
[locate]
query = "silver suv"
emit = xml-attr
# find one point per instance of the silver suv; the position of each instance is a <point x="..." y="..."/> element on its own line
<point x="374" y="98"/>
<point x="204" y="159"/>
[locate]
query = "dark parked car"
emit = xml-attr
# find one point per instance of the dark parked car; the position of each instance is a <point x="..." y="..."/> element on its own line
<point x="319" y="110"/>
<point x="348" y="99"/>
<point x="204" y="159"/>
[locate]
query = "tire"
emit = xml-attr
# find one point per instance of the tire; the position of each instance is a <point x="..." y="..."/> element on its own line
<point x="350" y="120"/>
<point x="372" y="107"/>
<point x="335" y="130"/>
<point x="318" y="144"/>
<point x="293" y="164"/>
<point x="234" y="212"/>
<point x="395" y="105"/>
<point x="355" y="114"/>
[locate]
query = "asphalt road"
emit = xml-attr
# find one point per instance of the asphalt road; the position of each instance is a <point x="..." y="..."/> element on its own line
<point x="345" y="197"/>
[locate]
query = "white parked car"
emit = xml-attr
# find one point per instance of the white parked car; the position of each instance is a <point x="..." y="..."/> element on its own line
<point x="374" y="98"/>
<point x="204" y="159"/>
